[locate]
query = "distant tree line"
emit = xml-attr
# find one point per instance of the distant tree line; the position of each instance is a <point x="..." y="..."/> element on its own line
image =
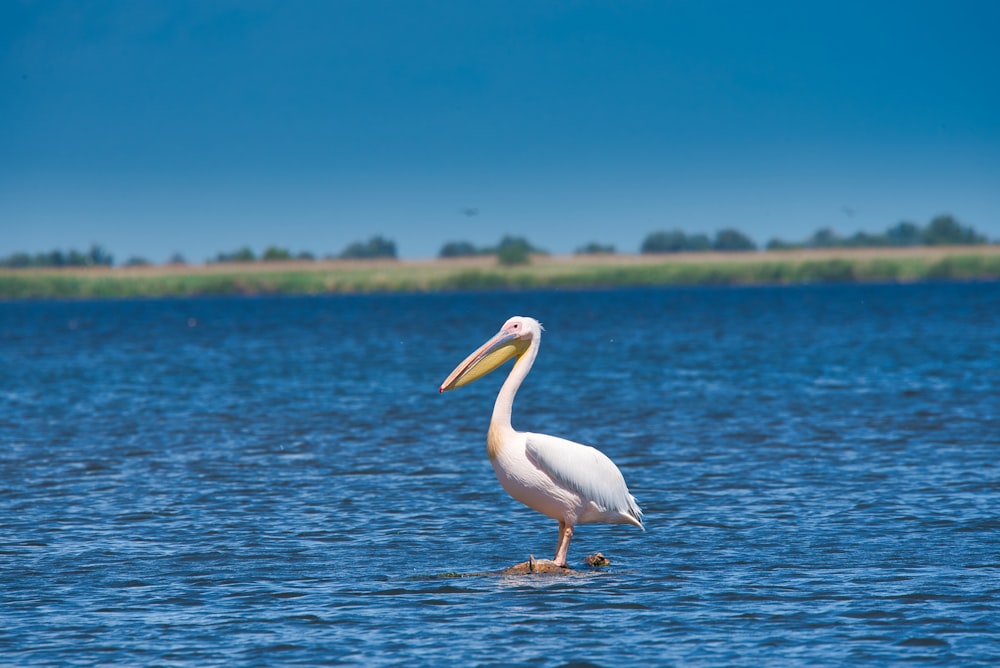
<point x="512" y="250"/>
<point x="270" y="254"/>
<point x="677" y="241"/>
<point x="943" y="230"/>
<point x="375" y="247"/>
<point x="595" y="248"/>
<point x="95" y="257"/>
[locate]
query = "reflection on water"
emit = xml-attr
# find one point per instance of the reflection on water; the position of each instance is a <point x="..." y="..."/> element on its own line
<point x="276" y="480"/>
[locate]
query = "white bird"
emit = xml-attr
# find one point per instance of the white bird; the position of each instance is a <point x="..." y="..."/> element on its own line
<point x="567" y="481"/>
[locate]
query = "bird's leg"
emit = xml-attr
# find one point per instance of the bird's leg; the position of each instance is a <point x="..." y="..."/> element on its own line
<point x="565" y="534"/>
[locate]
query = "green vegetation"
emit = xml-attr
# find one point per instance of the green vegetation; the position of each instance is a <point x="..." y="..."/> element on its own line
<point x="510" y="251"/>
<point x="732" y="240"/>
<point x="376" y="247"/>
<point x="514" y="250"/>
<point x="95" y="257"/>
<point x="276" y="254"/>
<point x="582" y="272"/>
<point x="244" y="254"/>
<point x="459" y="249"/>
<point x="677" y="241"/>
<point x="943" y="230"/>
<point x="912" y="253"/>
<point x="594" y="248"/>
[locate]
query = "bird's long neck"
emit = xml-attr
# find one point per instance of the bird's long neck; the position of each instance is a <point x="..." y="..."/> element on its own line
<point x="500" y="428"/>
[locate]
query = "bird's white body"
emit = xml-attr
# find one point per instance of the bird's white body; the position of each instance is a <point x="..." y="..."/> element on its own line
<point x="567" y="481"/>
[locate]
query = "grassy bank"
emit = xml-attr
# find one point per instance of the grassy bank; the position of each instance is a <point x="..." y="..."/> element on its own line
<point x="792" y="267"/>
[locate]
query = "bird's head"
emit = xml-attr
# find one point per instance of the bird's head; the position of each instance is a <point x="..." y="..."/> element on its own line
<point x="513" y="340"/>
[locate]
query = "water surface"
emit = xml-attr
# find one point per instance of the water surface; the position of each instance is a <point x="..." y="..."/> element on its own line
<point x="276" y="481"/>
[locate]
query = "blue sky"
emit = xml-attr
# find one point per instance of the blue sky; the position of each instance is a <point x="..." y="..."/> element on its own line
<point x="196" y="127"/>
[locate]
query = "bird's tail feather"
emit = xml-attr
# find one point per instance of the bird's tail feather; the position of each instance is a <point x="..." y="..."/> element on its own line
<point x="635" y="511"/>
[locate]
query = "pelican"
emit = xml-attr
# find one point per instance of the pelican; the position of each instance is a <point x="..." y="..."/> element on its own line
<point x="567" y="481"/>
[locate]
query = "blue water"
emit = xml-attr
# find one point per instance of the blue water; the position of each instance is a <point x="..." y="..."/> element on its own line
<point x="276" y="481"/>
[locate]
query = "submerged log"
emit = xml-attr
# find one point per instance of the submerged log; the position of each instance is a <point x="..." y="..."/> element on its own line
<point x="533" y="565"/>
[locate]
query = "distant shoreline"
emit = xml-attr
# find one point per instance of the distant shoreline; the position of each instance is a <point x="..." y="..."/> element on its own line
<point x="787" y="267"/>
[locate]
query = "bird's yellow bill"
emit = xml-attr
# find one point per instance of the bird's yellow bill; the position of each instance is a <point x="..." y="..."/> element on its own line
<point x="488" y="357"/>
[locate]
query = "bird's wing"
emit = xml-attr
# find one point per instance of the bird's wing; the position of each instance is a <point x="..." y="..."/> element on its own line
<point x="584" y="470"/>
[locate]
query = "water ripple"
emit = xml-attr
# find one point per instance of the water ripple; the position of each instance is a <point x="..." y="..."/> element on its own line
<point x="282" y="484"/>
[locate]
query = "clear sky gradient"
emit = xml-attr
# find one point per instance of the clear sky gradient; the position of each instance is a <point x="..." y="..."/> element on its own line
<point x="199" y="126"/>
